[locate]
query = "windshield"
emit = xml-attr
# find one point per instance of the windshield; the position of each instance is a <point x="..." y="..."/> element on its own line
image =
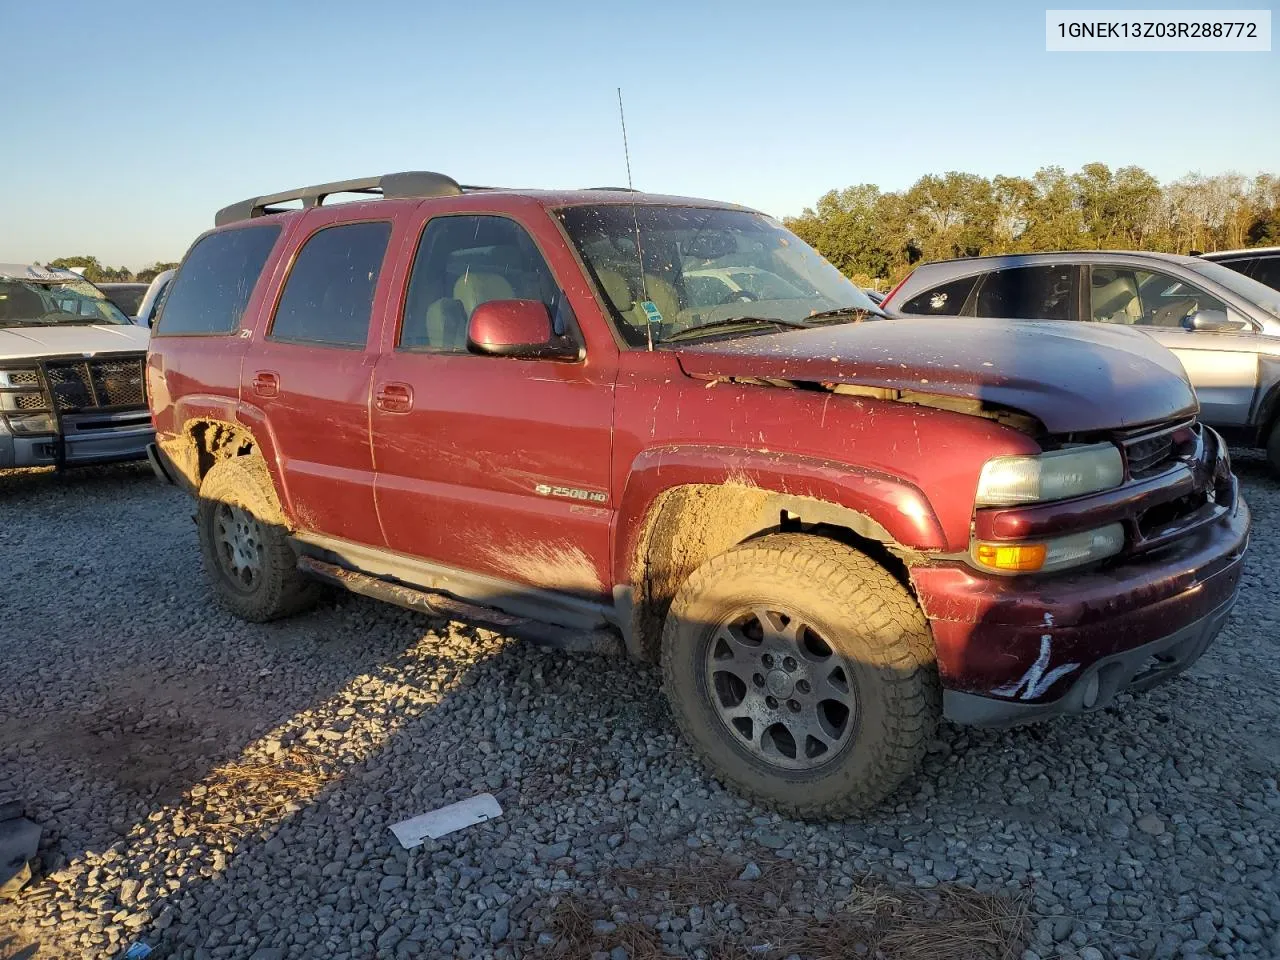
<point x="34" y="303"/>
<point x="664" y="269"/>
<point x="1253" y="291"/>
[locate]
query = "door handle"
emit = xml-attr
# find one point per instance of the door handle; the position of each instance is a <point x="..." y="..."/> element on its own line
<point x="266" y="383"/>
<point x="394" y="398"/>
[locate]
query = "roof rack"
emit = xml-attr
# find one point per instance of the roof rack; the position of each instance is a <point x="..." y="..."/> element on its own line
<point x="407" y="184"/>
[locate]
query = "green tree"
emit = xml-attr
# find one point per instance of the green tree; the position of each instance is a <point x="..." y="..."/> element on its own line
<point x="93" y="269"/>
<point x="147" y="274"/>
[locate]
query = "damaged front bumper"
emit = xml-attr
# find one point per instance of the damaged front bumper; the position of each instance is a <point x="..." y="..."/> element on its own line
<point x="1023" y="648"/>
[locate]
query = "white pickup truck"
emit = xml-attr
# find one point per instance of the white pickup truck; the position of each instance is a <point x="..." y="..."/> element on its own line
<point x="72" y="385"/>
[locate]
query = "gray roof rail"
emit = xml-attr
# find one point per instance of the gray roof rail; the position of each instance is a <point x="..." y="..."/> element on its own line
<point x="407" y="184"/>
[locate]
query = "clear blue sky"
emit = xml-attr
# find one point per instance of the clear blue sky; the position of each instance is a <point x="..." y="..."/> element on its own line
<point x="128" y="124"/>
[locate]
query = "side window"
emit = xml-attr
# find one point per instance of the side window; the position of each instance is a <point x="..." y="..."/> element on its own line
<point x="1113" y="296"/>
<point x="211" y="288"/>
<point x="329" y="294"/>
<point x="1029" y="293"/>
<point x="1167" y="301"/>
<point x="1268" y="271"/>
<point x="944" y="301"/>
<point x="462" y="262"/>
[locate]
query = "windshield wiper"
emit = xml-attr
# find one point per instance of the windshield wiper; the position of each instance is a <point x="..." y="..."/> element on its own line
<point x="700" y="328"/>
<point x="845" y="312"/>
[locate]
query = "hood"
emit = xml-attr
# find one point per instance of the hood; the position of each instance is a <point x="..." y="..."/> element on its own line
<point x="1072" y="377"/>
<point x="25" y="342"/>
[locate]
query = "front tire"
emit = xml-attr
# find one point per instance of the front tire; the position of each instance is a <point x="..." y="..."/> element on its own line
<point x="803" y="673"/>
<point x="1273" y="450"/>
<point x="247" y="555"/>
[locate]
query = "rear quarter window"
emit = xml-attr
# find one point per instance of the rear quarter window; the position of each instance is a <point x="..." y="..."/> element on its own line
<point x="946" y="300"/>
<point x="209" y="293"/>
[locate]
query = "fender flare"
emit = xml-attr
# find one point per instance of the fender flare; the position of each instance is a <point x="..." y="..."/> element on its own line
<point x="873" y="505"/>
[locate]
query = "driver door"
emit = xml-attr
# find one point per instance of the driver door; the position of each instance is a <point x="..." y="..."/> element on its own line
<point x="1221" y="364"/>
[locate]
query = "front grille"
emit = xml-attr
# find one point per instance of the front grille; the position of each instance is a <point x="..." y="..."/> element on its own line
<point x="1149" y="457"/>
<point x="28" y="401"/>
<point x="96" y="383"/>
<point x="24" y="378"/>
<point x="1153" y="452"/>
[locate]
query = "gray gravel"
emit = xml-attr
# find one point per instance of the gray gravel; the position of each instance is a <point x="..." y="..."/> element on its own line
<point x="222" y="790"/>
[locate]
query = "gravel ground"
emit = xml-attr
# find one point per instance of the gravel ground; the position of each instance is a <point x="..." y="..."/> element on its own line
<point x="223" y="790"/>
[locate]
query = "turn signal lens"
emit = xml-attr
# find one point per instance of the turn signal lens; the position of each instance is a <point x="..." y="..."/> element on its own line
<point x="1059" y="553"/>
<point x="1013" y="558"/>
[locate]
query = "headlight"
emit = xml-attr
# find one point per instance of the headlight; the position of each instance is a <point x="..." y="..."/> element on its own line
<point x="1056" y="553"/>
<point x="1056" y="475"/>
<point x="29" y="423"/>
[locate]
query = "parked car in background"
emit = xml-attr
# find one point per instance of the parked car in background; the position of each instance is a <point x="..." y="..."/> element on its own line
<point x="540" y="409"/>
<point x="1260" y="263"/>
<point x="126" y="296"/>
<point x="71" y="372"/>
<point x="149" y="309"/>
<point x="875" y="296"/>
<point x="1223" y="326"/>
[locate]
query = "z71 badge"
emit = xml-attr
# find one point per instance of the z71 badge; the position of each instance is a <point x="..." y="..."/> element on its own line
<point x="571" y="493"/>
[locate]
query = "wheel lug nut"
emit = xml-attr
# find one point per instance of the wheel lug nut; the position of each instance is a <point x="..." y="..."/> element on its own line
<point x="794" y="705"/>
<point x="802" y="686"/>
<point x="758" y="680"/>
<point x="767" y="660"/>
<point x="789" y="664"/>
<point x="772" y="702"/>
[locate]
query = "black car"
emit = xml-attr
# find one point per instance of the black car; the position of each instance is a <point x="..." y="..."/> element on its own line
<point x="1260" y="263"/>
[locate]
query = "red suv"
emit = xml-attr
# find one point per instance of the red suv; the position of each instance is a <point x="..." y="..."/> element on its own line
<point x="603" y="413"/>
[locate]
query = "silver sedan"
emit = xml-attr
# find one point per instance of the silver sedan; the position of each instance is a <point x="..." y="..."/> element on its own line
<point x="1222" y="325"/>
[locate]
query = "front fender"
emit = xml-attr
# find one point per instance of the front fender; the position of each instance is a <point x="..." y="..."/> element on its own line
<point x="892" y="508"/>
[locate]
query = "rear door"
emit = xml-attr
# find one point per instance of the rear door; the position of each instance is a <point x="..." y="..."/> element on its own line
<point x="306" y="377"/>
<point x="492" y="465"/>
<point x="1222" y="365"/>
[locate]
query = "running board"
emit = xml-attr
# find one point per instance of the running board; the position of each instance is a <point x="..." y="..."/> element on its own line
<point x="434" y="603"/>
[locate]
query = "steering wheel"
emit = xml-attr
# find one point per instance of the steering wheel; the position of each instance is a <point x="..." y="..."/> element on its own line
<point x="740" y="296"/>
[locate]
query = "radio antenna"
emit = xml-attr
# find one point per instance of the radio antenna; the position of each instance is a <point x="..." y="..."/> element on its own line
<point x="626" y="152"/>
<point x="635" y="219"/>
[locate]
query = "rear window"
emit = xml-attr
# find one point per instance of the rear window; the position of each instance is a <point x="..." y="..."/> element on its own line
<point x="209" y="293"/>
<point x="946" y="300"/>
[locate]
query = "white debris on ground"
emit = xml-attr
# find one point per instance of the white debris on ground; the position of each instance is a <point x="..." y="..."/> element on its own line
<point x="214" y="789"/>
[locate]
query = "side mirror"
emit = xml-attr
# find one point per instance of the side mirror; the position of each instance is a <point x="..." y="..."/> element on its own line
<point x="517" y="328"/>
<point x="1211" y="321"/>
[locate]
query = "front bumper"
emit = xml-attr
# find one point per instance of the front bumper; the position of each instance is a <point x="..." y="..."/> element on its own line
<point x="1020" y="648"/>
<point x="84" y="440"/>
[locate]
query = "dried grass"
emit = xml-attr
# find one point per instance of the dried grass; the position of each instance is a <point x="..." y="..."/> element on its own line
<point x="876" y="920"/>
<point x="259" y="792"/>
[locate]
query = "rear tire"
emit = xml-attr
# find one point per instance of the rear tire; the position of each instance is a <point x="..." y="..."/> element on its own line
<point x="803" y="673"/>
<point x="247" y="555"/>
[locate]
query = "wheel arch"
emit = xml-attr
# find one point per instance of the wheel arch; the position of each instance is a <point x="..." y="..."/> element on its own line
<point x="681" y="508"/>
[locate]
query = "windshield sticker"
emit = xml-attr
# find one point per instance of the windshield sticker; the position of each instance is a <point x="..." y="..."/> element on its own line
<point x="651" y="311"/>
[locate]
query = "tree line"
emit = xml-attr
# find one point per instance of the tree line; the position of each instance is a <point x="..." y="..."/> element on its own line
<point x="874" y="236"/>
<point x="97" y="273"/>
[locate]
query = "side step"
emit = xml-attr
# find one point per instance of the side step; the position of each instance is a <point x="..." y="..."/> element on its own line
<point x="441" y="605"/>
